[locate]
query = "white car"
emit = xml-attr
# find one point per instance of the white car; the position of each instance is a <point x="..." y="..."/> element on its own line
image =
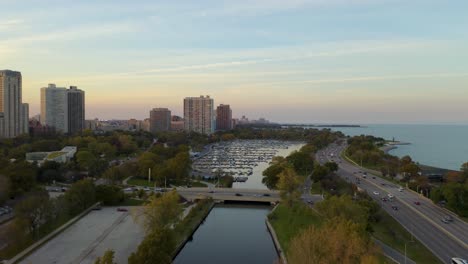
<point x="400" y="189"/>
<point x="376" y="193"/>
<point x="390" y="195"/>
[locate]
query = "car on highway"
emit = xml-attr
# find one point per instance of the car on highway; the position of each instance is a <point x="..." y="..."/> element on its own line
<point x="395" y="208"/>
<point x="373" y="177"/>
<point x="376" y="193"/>
<point x="266" y="194"/>
<point x="390" y="196"/>
<point x="238" y="194"/>
<point x="458" y="261"/>
<point x="448" y="218"/>
<point x="384" y="199"/>
<point x="120" y="209"/>
<point x="417" y="203"/>
<point x="400" y="189"/>
<point x="445" y="221"/>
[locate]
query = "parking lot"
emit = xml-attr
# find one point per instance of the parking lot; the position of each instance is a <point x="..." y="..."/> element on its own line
<point x="90" y="237"/>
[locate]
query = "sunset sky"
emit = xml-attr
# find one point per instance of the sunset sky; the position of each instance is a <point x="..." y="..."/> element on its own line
<point x="314" y="61"/>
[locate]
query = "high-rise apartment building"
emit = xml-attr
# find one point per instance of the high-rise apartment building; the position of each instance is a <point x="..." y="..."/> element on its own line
<point x="76" y="110"/>
<point x="62" y="108"/>
<point x="11" y="104"/>
<point x="199" y="114"/>
<point x="223" y="117"/>
<point x="160" y="120"/>
<point x="24" y="118"/>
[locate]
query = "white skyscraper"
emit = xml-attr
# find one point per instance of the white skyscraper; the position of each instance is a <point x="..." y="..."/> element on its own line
<point x="199" y="114"/>
<point x="63" y="109"/>
<point x="10" y="104"/>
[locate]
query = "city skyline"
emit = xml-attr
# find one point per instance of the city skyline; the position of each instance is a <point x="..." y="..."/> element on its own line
<point x="289" y="61"/>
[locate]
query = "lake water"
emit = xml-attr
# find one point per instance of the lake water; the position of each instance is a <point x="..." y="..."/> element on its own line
<point x="231" y="235"/>
<point x="444" y="146"/>
<point x="255" y="180"/>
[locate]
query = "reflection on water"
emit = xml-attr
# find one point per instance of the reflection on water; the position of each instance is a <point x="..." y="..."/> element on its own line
<point x="231" y="234"/>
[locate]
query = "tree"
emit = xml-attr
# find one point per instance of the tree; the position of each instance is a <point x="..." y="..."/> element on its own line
<point x="319" y="173"/>
<point x="344" y="207"/>
<point x="81" y="195"/>
<point x="113" y="174"/>
<point x="331" y="166"/>
<point x="34" y="210"/>
<point x="85" y="159"/>
<point x="161" y="212"/>
<point x="109" y="195"/>
<point x="288" y="185"/>
<point x="302" y="162"/>
<point x="157" y="248"/>
<point x="5" y="188"/>
<point x="270" y="174"/>
<point x="22" y="176"/>
<point x="107" y="258"/>
<point x="338" y="241"/>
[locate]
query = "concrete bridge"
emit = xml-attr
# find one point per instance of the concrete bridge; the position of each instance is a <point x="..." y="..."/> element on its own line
<point x="229" y="194"/>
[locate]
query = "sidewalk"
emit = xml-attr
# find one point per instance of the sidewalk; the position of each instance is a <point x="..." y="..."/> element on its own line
<point x="393" y="254"/>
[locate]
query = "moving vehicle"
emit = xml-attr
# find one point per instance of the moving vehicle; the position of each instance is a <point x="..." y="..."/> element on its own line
<point x="376" y="193"/>
<point x="400" y="189"/>
<point x="448" y="218"/>
<point x="390" y="195"/>
<point x="373" y="177"/>
<point x="459" y="261"/>
<point x="384" y="199"/>
<point x="394" y="207"/>
<point x="266" y="194"/>
<point x="417" y="203"/>
<point x="120" y="209"/>
<point x="238" y="194"/>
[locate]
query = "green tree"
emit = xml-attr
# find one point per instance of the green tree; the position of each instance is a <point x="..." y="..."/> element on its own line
<point x="107" y="258"/>
<point x="109" y="195"/>
<point x="331" y="166"/>
<point x="161" y="212"/>
<point x="33" y="210"/>
<point x="319" y="173"/>
<point x="113" y="174"/>
<point x="157" y="248"/>
<point x="85" y="159"/>
<point x="5" y="188"/>
<point x="302" y="162"/>
<point x="344" y="207"/>
<point x="270" y="174"/>
<point x="22" y="176"/>
<point x="81" y="195"/>
<point x="288" y="185"/>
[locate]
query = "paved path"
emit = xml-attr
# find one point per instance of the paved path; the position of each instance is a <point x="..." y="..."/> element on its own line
<point x="393" y="254"/>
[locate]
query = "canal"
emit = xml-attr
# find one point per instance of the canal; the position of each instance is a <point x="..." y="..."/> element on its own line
<point x="231" y="234"/>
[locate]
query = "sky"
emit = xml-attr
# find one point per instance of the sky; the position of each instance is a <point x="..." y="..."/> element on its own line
<point x="308" y="61"/>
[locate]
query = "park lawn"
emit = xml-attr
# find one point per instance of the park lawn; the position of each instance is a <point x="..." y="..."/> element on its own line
<point x="132" y="202"/>
<point x="198" y="184"/>
<point x="316" y="188"/>
<point x="389" y="231"/>
<point x="288" y="222"/>
<point x="140" y="182"/>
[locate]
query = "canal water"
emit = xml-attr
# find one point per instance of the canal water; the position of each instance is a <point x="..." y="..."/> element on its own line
<point x="255" y="180"/>
<point x="231" y="234"/>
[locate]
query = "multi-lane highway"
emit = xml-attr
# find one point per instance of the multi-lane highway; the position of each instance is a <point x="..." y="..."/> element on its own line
<point x="417" y="214"/>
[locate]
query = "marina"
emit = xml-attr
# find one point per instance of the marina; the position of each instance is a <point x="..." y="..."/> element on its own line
<point x="244" y="160"/>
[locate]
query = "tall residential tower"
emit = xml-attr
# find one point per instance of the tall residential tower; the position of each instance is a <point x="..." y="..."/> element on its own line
<point x="12" y="114"/>
<point x="62" y="108"/>
<point x="199" y="114"/>
<point x="160" y="120"/>
<point x="223" y="117"/>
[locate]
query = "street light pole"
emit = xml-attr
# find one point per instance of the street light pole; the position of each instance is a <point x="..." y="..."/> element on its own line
<point x="405" y="252"/>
